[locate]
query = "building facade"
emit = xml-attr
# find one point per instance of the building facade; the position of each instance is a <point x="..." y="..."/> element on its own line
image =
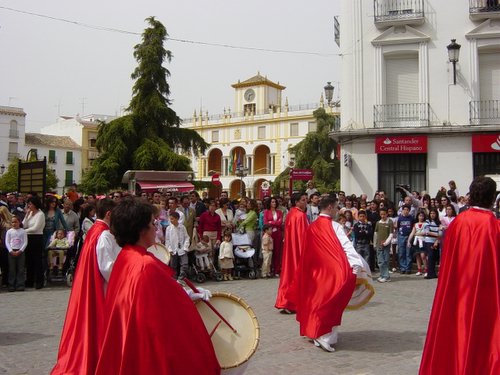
<point x="83" y="130"/>
<point x="63" y="156"/>
<point x="12" y="130"/>
<point x="409" y="115"/>
<point x="250" y="144"/>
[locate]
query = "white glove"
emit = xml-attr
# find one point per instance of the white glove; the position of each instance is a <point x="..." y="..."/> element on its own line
<point x="356" y="269"/>
<point x="203" y="294"/>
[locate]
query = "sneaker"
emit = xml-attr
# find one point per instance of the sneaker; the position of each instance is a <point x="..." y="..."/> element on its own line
<point x="381" y="280"/>
<point x="394" y="270"/>
<point x="425" y="274"/>
<point x="323" y="345"/>
<point x="418" y="273"/>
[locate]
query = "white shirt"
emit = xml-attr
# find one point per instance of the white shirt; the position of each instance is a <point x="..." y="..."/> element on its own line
<point x="350" y="252"/>
<point x="16" y="239"/>
<point x="107" y="251"/>
<point x="177" y="239"/>
<point x="34" y="224"/>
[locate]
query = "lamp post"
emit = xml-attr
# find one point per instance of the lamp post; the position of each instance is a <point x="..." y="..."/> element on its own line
<point x="241" y="172"/>
<point x="2" y="169"/>
<point x="329" y="93"/>
<point x="453" y="54"/>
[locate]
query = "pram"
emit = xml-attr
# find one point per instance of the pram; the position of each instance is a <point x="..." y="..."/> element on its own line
<point x="244" y="256"/>
<point x="195" y="272"/>
<point x="70" y="256"/>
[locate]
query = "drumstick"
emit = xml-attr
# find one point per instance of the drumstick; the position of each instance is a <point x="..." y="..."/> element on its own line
<point x="191" y="285"/>
<point x="216" y="326"/>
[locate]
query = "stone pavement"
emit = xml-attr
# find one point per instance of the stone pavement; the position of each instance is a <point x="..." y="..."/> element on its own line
<point x="384" y="337"/>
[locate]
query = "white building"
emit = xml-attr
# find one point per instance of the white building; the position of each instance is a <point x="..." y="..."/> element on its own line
<point x="63" y="155"/>
<point x="12" y="128"/>
<point x="403" y="118"/>
<point x="255" y="134"/>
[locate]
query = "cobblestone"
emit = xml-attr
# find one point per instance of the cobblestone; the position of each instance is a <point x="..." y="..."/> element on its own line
<point x="385" y="337"/>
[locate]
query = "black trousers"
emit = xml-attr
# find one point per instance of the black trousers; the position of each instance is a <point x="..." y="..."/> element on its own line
<point x="34" y="261"/>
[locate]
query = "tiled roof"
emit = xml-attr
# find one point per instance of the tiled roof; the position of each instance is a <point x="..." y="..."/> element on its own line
<point x="37" y="139"/>
<point x="258" y="80"/>
<point x="12" y="111"/>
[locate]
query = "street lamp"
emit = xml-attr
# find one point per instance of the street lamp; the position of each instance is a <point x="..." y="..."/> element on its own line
<point x="2" y="169"/>
<point x="241" y="172"/>
<point x="453" y="54"/>
<point x="329" y="93"/>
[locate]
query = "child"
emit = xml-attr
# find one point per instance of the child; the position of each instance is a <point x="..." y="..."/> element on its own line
<point x="56" y="250"/>
<point x="384" y="229"/>
<point x="226" y="257"/>
<point x="363" y="234"/>
<point x="203" y="249"/>
<point x="342" y="220"/>
<point x="16" y="241"/>
<point x="163" y="213"/>
<point x="267" y="250"/>
<point x="177" y="243"/>
<point x="418" y="233"/>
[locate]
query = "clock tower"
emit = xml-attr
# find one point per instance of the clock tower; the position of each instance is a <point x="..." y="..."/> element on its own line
<point x="256" y="95"/>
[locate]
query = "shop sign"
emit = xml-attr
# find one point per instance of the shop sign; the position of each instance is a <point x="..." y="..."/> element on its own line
<point x="301" y="174"/>
<point x="401" y="145"/>
<point x="486" y="142"/>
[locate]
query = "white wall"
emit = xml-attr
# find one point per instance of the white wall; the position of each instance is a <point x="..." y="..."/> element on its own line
<point x="65" y="127"/>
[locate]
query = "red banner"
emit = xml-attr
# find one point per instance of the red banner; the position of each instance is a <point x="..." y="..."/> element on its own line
<point x="416" y="144"/>
<point x="301" y="174"/>
<point x="486" y="143"/>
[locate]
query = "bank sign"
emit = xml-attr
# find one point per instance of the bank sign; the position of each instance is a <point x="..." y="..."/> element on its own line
<point x="401" y="145"/>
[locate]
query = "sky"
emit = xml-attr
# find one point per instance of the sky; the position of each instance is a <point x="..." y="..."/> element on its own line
<point x="51" y="67"/>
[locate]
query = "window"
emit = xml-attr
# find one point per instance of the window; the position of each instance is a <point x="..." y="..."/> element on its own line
<point x="261" y="132"/>
<point x="486" y="163"/>
<point x="13" y="151"/>
<point x="92" y="139"/>
<point x="215" y="136"/>
<point x="13" y="132"/>
<point x="68" y="178"/>
<point x="69" y="157"/>
<point x="294" y="130"/>
<point x="52" y="156"/>
<point x="402" y="79"/>
<point x="313" y="126"/>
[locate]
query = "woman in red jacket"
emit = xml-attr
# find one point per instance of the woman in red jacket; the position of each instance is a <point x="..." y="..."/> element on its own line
<point x="274" y="218"/>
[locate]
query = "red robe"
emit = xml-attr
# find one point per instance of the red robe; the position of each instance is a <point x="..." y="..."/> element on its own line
<point x="83" y="328"/>
<point x="325" y="282"/>
<point x="152" y="325"/>
<point x="295" y="229"/>
<point x="464" y="328"/>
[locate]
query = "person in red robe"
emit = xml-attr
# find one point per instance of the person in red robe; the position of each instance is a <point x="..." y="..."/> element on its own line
<point x="152" y="326"/>
<point x="325" y="278"/>
<point x="84" y="324"/>
<point x="295" y="228"/>
<point x="464" y="328"/>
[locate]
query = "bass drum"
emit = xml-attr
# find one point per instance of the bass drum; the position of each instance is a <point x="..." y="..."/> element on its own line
<point x="160" y="251"/>
<point x="233" y="350"/>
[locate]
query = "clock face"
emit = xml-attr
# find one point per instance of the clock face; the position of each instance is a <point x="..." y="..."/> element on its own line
<point x="249" y="95"/>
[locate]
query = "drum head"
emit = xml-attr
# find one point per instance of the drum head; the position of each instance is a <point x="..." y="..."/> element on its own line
<point x="244" y="252"/>
<point x="160" y="252"/>
<point x="232" y="349"/>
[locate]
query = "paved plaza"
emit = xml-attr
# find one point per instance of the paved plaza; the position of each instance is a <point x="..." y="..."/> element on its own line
<point x="385" y="337"/>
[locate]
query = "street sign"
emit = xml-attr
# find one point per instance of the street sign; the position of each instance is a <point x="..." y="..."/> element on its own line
<point x="216" y="179"/>
<point x="301" y="174"/>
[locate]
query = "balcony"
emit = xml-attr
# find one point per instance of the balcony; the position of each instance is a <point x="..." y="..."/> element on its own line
<point x="408" y="115"/>
<point x="484" y="112"/>
<point x="13" y="133"/>
<point x="484" y="9"/>
<point x="12" y="155"/>
<point x="389" y="13"/>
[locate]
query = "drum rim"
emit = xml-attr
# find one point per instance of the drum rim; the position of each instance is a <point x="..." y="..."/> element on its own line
<point x="255" y="321"/>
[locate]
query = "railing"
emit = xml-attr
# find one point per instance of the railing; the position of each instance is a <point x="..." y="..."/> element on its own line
<point x="13" y="133"/>
<point x="228" y="114"/>
<point x="13" y="155"/>
<point x="401" y="115"/>
<point x="481" y="6"/>
<point x="484" y="112"/>
<point x="392" y="10"/>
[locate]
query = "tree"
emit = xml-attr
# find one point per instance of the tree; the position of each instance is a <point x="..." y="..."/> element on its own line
<point x="150" y="137"/>
<point x="9" y="180"/>
<point x="317" y="152"/>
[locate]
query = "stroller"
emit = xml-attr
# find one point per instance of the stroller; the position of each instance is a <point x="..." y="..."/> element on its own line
<point x="69" y="253"/>
<point x="244" y="256"/>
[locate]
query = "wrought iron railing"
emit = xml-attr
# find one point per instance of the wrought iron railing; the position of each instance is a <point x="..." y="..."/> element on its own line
<point x="390" y="10"/>
<point x="481" y="6"/>
<point x="484" y="111"/>
<point x="401" y="115"/>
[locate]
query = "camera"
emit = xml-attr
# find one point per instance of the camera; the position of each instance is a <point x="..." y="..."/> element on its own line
<point x="403" y="186"/>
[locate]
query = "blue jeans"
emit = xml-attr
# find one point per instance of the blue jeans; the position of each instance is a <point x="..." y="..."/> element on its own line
<point x="383" y="261"/>
<point x="364" y="251"/>
<point x="404" y="252"/>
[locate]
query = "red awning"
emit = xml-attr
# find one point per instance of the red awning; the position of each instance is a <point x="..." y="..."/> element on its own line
<point x="150" y="186"/>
